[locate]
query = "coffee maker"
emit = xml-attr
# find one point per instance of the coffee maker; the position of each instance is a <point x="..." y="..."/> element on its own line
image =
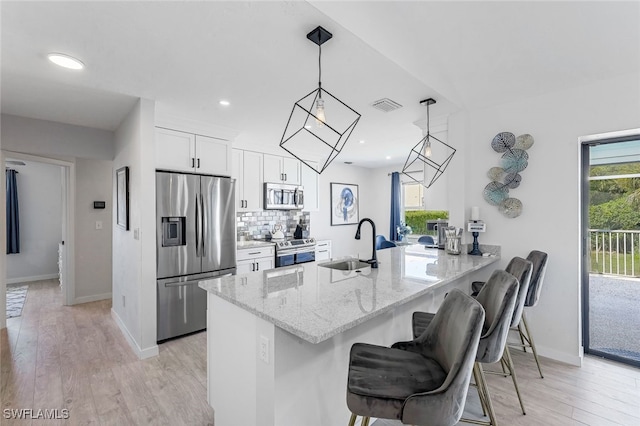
<point x="440" y="225"/>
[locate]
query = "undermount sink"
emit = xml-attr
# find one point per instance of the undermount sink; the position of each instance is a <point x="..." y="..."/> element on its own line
<point x="346" y="265"/>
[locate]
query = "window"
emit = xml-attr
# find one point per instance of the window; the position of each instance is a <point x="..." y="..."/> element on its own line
<point x="413" y="196"/>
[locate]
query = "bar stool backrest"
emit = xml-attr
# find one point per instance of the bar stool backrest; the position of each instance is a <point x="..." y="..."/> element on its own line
<point x="539" y="260"/>
<point x="521" y="269"/>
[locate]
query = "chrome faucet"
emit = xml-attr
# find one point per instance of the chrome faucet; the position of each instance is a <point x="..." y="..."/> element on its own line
<point x="374" y="260"/>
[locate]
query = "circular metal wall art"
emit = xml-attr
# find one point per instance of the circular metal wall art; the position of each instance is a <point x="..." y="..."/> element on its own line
<point x="514" y="160"/>
<point x="511" y="207"/>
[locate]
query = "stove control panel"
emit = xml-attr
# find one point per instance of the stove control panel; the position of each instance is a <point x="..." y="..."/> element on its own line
<point x="296" y="243"/>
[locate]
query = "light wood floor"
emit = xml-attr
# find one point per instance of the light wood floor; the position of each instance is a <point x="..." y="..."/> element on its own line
<point x="55" y="357"/>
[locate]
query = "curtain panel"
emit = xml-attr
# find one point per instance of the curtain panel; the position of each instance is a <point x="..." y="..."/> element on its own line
<point x="396" y="198"/>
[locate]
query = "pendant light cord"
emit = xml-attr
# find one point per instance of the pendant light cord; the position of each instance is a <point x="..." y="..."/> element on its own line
<point x="320" y="69"/>
<point x="427" y="119"/>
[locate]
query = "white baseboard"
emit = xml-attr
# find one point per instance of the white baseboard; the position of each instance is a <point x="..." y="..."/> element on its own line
<point x="556" y="355"/>
<point x="33" y="278"/>
<point x="141" y="353"/>
<point x="93" y="298"/>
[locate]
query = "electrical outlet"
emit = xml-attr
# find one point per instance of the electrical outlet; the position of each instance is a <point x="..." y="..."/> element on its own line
<point x="98" y="224"/>
<point x="136" y="234"/>
<point x="264" y="349"/>
<point x="123" y="301"/>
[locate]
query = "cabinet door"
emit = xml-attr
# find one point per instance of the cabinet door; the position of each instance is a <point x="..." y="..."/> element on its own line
<point x="252" y="181"/>
<point x="244" y="266"/>
<point x="237" y="172"/>
<point x="213" y="156"/>
<point x="264" y="263"/>
<point x="272" y="168"/>
<point x="310" y="186"/>
<point x="175" y="150"/>
<point x="291" y="170"/>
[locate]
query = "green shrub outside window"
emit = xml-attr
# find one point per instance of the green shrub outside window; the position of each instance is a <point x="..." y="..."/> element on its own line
<point x="417" y="219"/>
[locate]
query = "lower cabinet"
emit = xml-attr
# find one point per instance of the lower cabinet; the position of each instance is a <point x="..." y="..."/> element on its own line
<point x="255" y="259"/>
<point x="323" y="250"/>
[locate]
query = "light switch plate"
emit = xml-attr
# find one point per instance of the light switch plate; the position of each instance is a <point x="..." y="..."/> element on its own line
<point x="136" y="234"/>
<point x="98" y="224"/>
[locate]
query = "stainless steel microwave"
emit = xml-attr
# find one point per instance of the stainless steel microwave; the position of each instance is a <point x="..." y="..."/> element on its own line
<point x="280" y="196"/>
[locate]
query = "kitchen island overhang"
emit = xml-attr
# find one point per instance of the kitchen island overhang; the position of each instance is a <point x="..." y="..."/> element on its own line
<point x="278" y="342"/>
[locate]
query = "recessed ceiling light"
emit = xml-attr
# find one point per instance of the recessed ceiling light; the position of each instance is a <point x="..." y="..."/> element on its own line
<point x="65" y="61"/>
<point x="308" y="126"/>
<point x="225" y="103"/>
<point x="388" y="157"/>
<point x="361" y="141"/>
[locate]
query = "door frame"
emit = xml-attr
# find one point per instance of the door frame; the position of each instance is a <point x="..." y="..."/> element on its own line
<point x="585" y="142"/>
<point x="68" y="219"/>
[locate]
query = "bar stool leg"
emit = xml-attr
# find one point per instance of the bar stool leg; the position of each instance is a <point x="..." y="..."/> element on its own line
<point x="352" y="421"/>
<point x="512" y="370"/>
<point x="533" y="346"/>
<point x="492" y="415"/>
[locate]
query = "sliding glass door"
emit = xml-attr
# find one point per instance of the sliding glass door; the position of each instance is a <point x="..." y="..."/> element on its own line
<point x="611" y="247"/>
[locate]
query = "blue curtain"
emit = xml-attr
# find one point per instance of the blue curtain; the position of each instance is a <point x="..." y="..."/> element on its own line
<point x="395" y="206"/>
<point x="13" y="218"/>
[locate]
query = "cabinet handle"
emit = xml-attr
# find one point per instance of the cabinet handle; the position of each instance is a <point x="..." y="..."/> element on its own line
<point x="255" y="252"/>
<point x="257" y="266"/>
<point x="245" y="204"/>
<point x="193" y="162"/>
<point x="253" y="267"/>
<point x="322" y="251"/>
<point x="198" y="163"/>
<point x="285" y="177"/>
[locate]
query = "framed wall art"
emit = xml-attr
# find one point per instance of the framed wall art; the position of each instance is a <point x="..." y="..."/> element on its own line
<point x="122" y="198"/>
<point x="344" y="204"/>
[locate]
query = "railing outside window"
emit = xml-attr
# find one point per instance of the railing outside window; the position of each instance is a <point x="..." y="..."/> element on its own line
<point x="615" y="252"/>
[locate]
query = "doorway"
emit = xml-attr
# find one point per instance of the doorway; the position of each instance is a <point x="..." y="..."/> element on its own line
<point x="610" y="199"/>
<point x="67" y="191"/>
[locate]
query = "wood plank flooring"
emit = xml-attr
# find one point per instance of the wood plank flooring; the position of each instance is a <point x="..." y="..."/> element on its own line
<point x="75" y="358"/>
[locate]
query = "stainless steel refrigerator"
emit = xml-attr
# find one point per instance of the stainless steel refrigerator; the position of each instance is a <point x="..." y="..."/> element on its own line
<point x="196" y="240"/>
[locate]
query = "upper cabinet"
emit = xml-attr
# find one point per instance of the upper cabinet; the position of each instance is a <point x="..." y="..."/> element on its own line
<point x="247" y="169"/>
<point x="310" y="184"/>
<point x="281" y="169"/>
<point x="187" y="152"/>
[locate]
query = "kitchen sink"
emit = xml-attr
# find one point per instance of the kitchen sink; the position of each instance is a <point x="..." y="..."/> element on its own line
<point x="346" y="265"/>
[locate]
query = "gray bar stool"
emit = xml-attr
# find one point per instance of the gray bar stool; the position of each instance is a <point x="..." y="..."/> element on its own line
<point x="521" y="269"/>
<point x="539" y="260"/>
<point x="498" y="298"/>
<point x="426" y="385"/>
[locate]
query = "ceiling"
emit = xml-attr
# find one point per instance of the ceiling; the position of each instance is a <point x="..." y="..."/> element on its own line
<point x="187" y="56"/>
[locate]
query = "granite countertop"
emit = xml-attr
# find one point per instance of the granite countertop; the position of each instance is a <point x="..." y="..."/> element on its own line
<point x="316" y="303"/>
<point x="253" y="244"/>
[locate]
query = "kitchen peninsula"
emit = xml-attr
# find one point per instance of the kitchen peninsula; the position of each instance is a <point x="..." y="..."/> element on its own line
<point x="278" y="342"/>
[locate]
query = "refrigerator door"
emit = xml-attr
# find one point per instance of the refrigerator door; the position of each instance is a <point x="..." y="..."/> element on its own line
<point x="219" y="223"/>
<point x="176" y="224"/>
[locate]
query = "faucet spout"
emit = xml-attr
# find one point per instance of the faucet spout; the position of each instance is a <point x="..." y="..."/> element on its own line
<point x="374" y="260"/>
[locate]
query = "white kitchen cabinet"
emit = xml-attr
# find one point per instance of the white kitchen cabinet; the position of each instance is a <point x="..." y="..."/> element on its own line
<point x="255" y="259"/>
<point x="187" y="152"/>
<point x="281" y="169"/>
<point x="323" y="250"/>
<point x="247" y="169"/>
<point x="310" y="186"/>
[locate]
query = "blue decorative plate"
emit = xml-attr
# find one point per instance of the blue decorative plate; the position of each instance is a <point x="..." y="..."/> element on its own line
<point x="515" y="160"/>
<point x="495" y="192"/>
<point x="512" y="180"/>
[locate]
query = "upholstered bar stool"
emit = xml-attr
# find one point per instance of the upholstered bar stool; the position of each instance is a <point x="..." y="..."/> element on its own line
<point x="427" y="385"/>
<point x="498" y="298"/>
<point x="521" y="269"/>
<point x="539" y="261"/>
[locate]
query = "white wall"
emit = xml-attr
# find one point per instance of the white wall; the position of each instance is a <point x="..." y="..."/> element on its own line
<point x="549" y="190"/>
<point x="94" y="181"/>
<point x="134" y="285"/>
<point x="40" y="207"/>
<point x="78" y="145"/>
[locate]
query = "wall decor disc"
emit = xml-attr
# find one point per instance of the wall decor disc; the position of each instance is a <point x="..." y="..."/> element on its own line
<point x="495" y="193"/>
<point x="503" y="141"/>
<point x="512" y="180"/>
<point x="515" y="160"/>
<point x="511" y="207"/>
<point x="524" y="141"/>
<point x="496" y="173"/>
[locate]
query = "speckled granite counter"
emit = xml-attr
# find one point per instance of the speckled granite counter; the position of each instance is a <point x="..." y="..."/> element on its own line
<point x="316" y="303"/>
<point x="240" y="245"/>
<point x="278" y="341"/>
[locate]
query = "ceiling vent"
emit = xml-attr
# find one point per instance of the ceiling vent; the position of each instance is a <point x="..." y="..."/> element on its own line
<point x="386" y="105"/>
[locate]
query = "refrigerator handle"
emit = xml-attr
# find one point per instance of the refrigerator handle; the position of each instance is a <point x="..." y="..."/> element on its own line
<point x="204" y="224"/>
<point x="198" y="242"/>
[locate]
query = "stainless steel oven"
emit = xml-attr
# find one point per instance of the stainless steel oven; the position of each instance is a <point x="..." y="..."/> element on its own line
<point x="292" y="252"/>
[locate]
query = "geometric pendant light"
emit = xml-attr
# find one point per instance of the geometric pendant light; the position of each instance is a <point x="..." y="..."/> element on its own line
<point x="319" y="124"/>
<point x="430" y="153"/>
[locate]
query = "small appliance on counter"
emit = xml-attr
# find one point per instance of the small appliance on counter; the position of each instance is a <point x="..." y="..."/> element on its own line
<point x="276" y="233"/>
